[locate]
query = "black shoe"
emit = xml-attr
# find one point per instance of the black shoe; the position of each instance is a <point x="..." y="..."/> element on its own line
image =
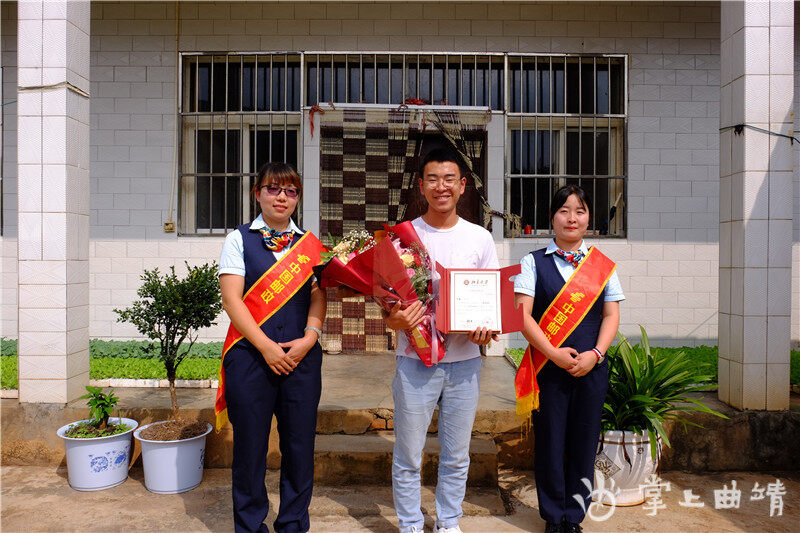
<point x="572" y="527"/>
<point x="552" y="527"/>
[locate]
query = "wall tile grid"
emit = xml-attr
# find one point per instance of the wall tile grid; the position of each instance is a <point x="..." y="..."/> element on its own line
<point x="673" y="141"/>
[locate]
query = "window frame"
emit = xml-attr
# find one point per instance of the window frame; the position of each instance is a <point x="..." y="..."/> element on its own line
<point x="518" y="120"/>
<point x="249" y="123"/>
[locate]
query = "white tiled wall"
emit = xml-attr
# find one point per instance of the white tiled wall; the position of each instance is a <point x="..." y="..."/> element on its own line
<point x="8" y="242"/>
<point x="668" y="263"/>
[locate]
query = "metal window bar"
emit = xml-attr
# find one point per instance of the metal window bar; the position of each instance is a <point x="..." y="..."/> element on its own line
<point x="229" y="138"/>
<point x="566" y="128"/>
<point x="419" y="75"/>
<point x="250" y="125"/>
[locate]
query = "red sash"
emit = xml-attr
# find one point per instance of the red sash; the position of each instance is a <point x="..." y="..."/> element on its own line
<point x="273" y="289"/>
<point x="559" y="320"/>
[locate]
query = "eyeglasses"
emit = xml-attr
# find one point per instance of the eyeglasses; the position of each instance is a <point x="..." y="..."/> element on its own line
<point x="448" y="183"/>
<point x="274" y="190"/>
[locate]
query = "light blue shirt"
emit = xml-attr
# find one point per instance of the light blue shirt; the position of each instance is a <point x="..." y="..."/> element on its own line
<point x="525" y="282"/>
<point x="231" y="260"/>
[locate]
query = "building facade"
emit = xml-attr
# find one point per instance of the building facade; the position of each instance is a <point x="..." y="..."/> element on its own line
<point x="627" y="99"/>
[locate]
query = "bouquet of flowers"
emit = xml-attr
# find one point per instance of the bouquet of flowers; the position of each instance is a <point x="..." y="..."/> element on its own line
<point x="391" y="266"/>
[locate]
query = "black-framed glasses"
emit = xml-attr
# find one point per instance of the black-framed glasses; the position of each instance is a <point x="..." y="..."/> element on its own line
<point x="274" y="190"/>
<point x="447" y="183"/>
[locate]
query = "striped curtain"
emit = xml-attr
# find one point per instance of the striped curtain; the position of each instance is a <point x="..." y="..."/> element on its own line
<point x="361" y="189"/>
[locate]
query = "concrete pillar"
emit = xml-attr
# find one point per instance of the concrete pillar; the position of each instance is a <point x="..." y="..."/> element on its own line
<point x="53" y="199"/>
<point x="757" y="89"/>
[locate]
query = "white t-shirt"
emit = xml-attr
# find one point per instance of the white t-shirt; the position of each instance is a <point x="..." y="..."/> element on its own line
<point x="465" y="245"/>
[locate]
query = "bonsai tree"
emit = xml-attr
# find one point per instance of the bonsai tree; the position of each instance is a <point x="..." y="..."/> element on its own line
<point x="646" y="388"/>
<point x="171" y="310"/>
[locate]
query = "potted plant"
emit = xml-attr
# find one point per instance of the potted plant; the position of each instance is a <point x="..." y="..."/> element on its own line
<point x="98" y="449"/>
<point x="169" y="312"/>
<point x="645" y="388"/>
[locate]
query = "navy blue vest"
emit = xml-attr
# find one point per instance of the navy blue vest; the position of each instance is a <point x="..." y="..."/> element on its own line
<point x="289" y="321"/>
<point x="548" y="284"/>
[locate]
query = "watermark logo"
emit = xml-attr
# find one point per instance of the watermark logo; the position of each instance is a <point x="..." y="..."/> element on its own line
<point x="601" y="495"/>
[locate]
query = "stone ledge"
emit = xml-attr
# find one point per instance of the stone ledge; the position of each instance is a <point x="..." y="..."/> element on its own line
<point x="749" y="440"/>
<point x="28" y="430"/>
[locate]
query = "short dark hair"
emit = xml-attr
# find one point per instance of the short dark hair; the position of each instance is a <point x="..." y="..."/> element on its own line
<point x="443" y="155"/>
<point x="561" y="195"/>
<point x="280" y="174"/>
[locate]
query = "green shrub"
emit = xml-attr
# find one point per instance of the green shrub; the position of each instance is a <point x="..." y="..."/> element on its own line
<point x="171" y="310"/>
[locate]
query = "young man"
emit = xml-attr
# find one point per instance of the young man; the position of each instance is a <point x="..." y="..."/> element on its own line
<point x="454" y="383"/>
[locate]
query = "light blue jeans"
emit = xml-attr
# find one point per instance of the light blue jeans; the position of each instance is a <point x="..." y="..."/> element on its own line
<point x="417" y="390"/>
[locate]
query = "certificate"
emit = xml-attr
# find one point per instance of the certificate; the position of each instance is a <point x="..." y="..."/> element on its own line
<point x="474" y="300"/>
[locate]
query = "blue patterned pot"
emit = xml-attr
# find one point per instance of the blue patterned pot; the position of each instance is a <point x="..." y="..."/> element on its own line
<point x="100" y="462"/>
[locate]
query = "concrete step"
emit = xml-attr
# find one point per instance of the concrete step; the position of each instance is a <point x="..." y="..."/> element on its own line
<point x="367" y="460"/>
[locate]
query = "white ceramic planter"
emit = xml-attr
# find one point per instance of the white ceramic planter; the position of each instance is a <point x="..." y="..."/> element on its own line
<point x="100" y="462"/>
<point x="172" y="466"/>
<point x="614" y="475"/>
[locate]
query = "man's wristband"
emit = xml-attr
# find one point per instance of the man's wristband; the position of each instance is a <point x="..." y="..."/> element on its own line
<point x="317" y="330"/>
<point x="599" y="354"/>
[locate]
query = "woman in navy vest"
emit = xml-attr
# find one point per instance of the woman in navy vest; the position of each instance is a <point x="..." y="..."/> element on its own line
<point x="275" y="369"/>
<point x="574" y="380"/>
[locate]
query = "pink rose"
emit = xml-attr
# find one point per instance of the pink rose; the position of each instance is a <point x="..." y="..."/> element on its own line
<point x="410" y="272"/>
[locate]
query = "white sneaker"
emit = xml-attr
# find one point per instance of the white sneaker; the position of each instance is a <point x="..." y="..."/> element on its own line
<point x="454" y="529"/>
<point x="412" y="529"/>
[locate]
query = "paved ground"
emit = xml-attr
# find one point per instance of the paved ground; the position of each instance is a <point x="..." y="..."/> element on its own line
<point x="39" y="499"/>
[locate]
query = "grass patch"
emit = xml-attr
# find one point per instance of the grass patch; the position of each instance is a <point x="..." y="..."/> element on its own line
<point x="131" y="368"/>
<point x="130" y="359"/>
<point x="100" y="349"/>
<point x="8" y="371"/>
<point x="8" y="347"/>
<point x="705" y="356"/>
<point x="124" y="360"/>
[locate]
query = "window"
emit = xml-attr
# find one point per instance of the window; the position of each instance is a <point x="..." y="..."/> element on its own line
<point x="237" y="113"/>
<point x="566" y="124"/>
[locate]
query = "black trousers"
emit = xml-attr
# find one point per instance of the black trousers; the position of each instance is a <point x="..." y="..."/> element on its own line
<point x="567" y="428"/>
<point x="253" y="394"/>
